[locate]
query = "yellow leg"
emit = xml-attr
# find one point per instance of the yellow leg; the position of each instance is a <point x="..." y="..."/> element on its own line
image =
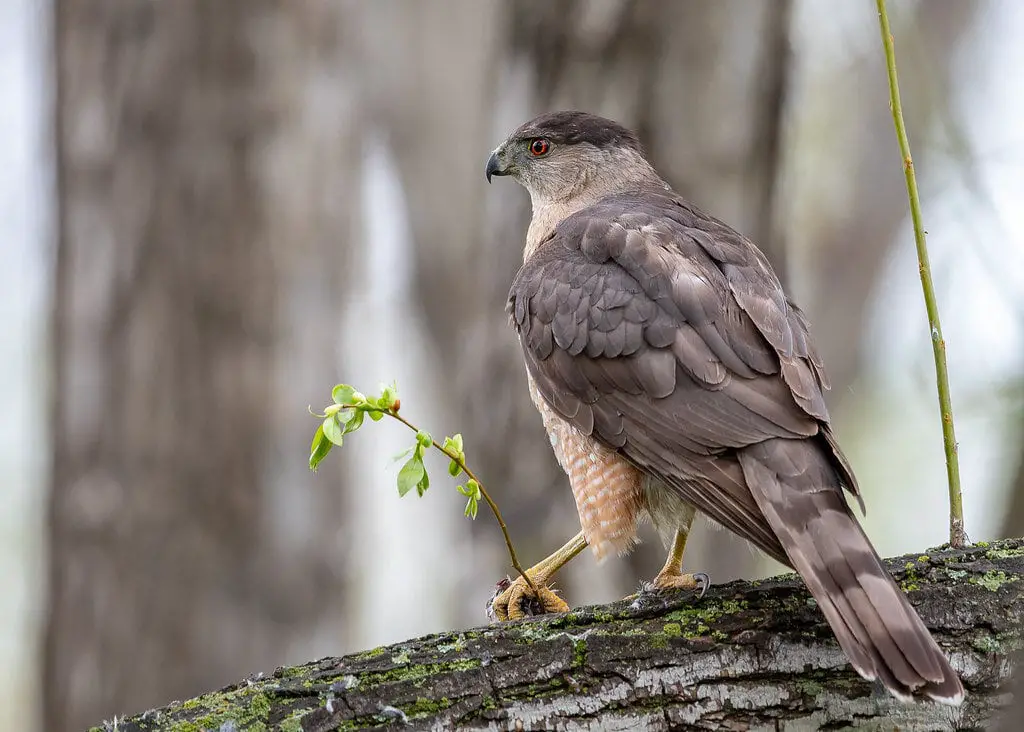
<point x="508" y="603"/>
<point x="671" y="576"/>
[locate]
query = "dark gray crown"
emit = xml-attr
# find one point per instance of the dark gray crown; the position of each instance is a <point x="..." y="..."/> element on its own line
<point x="570" y="128"/>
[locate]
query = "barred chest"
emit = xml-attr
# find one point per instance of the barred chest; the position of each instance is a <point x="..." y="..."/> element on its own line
<point x="609" y="492"/>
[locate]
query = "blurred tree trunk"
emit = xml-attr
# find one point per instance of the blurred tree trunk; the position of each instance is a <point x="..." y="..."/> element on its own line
<point x="1013" y="523"/>
<point x="191" y="245"/>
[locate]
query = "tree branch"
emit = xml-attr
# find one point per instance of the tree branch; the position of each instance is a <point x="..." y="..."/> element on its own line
<point x="748" y="654"/>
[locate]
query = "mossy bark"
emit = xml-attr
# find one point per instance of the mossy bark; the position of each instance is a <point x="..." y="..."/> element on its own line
<point x="749" y="655"/>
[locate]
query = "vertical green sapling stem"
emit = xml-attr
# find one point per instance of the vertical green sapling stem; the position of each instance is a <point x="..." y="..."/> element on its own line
<point x="957" y="536"/>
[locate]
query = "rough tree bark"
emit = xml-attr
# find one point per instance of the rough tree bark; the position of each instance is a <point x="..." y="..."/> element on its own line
<point x="748" y="656"/>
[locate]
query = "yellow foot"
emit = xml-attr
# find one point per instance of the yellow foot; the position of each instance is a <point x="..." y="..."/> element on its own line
<point x="672" y="581"/>
<point x="650" y="592"/>
<point x="514" y="600"/>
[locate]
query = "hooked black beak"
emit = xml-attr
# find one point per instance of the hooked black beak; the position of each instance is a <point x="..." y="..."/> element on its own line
<point x="494" y="167"/>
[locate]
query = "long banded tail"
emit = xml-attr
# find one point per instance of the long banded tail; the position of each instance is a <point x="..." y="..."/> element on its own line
<point x="797" y="488"/>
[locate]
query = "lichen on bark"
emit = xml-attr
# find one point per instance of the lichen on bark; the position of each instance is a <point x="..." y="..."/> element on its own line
<point x="749" y="655"/>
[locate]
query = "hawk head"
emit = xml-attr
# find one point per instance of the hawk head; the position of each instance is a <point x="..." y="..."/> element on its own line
<point x="557" y="155"/>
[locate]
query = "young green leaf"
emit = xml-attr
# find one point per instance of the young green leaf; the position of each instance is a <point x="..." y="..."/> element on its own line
<point x="410" y="475"/>
<point x="343" y="394"/>
<point x="376" y="415"/>
<point x="424" y="438"/>
<point x="471" y="508"/>
<point x="319" y="449"/>
<point x="453" y="446"/>
<point x="424" y="483"/>
<point x="473" y="489"/>
<point x="454" y="469"/>
<point x="355" y="421"/>
<point x="388" y="396"/>
<point x="333" y="430"/>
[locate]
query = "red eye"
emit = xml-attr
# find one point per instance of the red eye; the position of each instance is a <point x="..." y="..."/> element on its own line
<point x="539" y="146"/>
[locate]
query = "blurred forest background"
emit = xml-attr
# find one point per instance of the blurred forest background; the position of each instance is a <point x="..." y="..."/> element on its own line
<point x="214" y="210"/>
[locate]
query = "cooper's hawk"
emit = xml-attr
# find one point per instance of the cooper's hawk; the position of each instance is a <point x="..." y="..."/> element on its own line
<point x="672" y="373"/>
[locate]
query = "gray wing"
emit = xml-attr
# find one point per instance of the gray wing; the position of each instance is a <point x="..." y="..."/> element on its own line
<point x="664" y="334"/>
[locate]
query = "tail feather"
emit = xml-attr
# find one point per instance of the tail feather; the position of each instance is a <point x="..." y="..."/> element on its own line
<point x="879" y="605"/>
<point x="796" y="487"/>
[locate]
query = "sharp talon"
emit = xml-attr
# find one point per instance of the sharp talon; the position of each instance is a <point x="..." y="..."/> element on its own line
<point x="530" y="606"/>
<point x="698" y="581"/>
<point x="493" y="612"/>
<point x="514" y="600"/>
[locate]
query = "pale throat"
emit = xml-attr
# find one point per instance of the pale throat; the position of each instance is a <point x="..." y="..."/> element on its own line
<point x="546" y="216"/>
<point x="548" y="211"/>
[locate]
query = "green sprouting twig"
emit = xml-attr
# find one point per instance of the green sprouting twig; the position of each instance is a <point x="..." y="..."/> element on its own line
<point x="957" y="536"/>
<point x="346" y="416"/>
<point x="460" y="460"/>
